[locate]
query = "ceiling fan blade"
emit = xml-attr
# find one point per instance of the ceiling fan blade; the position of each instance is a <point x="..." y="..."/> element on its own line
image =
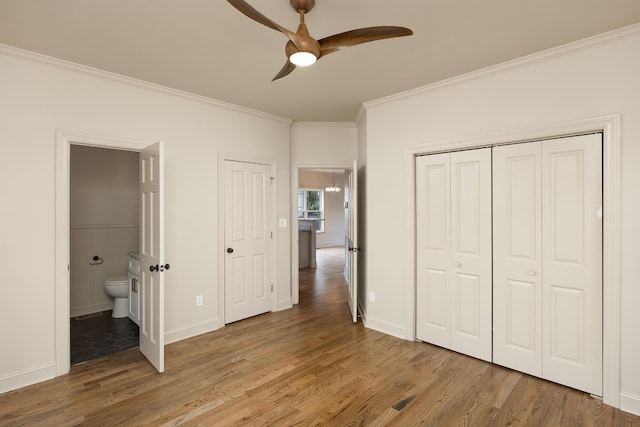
<point x="286" y="70"/>
<point x="363" y="35"/>
<point x="252" y="13"/>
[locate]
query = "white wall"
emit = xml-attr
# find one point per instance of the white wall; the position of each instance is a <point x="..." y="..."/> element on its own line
<point x="334" y="215"/>
<point x="596" y="79"/>
<point x="104" y="187"/>
<point x="40" y="96"/>
<point x="323" y="142"/>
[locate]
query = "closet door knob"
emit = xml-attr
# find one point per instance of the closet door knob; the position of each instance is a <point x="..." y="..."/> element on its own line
<point x="531" y="273"/>
<point x="458" y="265"/>
<point x="230" y="250"/>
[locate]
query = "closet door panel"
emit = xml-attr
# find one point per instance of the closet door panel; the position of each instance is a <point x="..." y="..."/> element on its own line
<point x="433" y="249"/>
<point x="572" y="263"/>
<point x="517" y="258"/>
<point x="471" y="252"/>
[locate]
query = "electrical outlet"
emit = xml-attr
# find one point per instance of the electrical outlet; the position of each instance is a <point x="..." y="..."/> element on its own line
<point x="198" y="300"/>
<point x="372" y="297"/>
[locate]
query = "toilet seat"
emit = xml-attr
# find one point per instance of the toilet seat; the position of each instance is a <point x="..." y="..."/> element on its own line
<point x="117" y="281"/>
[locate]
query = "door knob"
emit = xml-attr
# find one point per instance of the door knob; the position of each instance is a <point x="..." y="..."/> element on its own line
<point x="159" y="267"/>
<point x="531" y="273"/>
<point x="230" y="250"/>
<point x="458" y="265"/>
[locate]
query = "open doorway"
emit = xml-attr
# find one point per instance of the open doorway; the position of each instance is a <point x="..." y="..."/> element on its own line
<point x="104" y="245"/>
<point x="323" y="225"/>
<point x="151" y="243"/>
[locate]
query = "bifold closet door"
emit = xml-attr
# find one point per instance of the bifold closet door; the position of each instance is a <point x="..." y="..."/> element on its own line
<point x="572" y="262"/>
<point x="453" y="207"/>
<point x="517" y="257"/>
<point x="548" y="260"/>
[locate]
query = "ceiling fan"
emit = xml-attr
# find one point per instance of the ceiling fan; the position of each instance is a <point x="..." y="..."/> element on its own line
<point x="302" y="49"/>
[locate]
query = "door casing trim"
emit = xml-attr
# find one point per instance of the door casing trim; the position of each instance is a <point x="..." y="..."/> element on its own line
<point x="64" y="140"/>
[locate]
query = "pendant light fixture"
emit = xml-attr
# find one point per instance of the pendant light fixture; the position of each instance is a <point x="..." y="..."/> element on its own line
<point x="333" y="188"/>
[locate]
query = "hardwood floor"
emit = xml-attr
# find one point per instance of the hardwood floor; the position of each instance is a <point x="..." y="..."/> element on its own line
<point x="305" y="366"/>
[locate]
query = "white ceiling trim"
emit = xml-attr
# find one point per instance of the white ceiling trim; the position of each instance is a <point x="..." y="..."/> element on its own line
<point x="107" y="75"/>
<point x="545" y="55"/>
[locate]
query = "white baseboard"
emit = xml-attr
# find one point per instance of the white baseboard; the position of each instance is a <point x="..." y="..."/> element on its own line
<point x="630" y="403"/>
<point x="88" y="309"/>
<point x="386" y="327"/>
<point x="191" y="331"/>
<point x="27" y="377"/>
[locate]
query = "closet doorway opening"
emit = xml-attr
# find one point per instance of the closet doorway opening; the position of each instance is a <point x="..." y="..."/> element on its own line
<point x="609" y="127"/>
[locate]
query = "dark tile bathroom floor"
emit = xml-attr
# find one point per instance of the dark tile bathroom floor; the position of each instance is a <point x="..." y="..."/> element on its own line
<point x="98" y="334"/>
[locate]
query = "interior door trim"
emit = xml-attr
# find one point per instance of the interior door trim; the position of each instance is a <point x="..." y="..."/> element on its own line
<point x="64" y="140"/>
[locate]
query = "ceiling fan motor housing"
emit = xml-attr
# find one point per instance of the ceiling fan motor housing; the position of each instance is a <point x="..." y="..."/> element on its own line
<point x="302" y="5"/>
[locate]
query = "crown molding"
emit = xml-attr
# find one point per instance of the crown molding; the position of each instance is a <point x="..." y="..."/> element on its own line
<point x="542" y="56"/>
<point x="114" y="77"/>
<point x="323" y="124"/>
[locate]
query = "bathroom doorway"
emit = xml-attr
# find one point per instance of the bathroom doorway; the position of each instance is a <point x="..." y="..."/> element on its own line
<point x="104" y="216"/>
<point x="151" y="243"/>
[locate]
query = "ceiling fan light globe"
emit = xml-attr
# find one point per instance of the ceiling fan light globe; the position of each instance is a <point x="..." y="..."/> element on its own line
<point x="303" y="59"/>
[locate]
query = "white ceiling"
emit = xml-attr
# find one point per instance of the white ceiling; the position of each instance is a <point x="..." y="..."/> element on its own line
<point x="208" y="48"/>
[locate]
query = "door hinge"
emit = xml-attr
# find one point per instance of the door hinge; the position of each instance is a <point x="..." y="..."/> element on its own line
<point x="271" y="288"/>
<point x="271" y="180"/>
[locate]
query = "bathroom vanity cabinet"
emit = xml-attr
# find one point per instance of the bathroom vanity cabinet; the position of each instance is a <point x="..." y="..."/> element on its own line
<point x="134" y="287"/>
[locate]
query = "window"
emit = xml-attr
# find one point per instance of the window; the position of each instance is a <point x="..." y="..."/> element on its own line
<point x="311" y="206"/>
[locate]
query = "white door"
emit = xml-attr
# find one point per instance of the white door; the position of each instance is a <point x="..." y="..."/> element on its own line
<point x="453" y="206"/>
<point x="517" y="258"/>
<point x="352" y="240"/>
<point x="548" y="260"/>
<point x="471" y="253"/>
<point x="572" y="262"/>
<point x="247" y="236"/>
<point x="152" y="255"/>
<point x="433" y="294"/>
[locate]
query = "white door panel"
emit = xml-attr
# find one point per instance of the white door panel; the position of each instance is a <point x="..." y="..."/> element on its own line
<point x="454" y="251"/>
<point x="352" y="240"/>
<point x="548" y="260"/>
<point x="152" y="255"/>
<point x="572" y="262"/>
<point x="517" y="257"/>
<point x="247" y="239"/>
<point x="433" y="249"/>
<point x="471" y="252"/>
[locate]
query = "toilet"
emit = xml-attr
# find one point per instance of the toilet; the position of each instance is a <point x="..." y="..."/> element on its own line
<point x="118" y="288"/>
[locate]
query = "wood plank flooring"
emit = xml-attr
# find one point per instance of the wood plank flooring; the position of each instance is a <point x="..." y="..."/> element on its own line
<point x="305" y="366"/>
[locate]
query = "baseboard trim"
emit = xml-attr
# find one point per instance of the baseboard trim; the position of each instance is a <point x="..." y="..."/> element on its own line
<point x="88" y="309"/>
<point x="388" y="328"/>
<point x="27" y="377"/>
<point x="630" y="403"/>
<point x="191" y="331"/>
